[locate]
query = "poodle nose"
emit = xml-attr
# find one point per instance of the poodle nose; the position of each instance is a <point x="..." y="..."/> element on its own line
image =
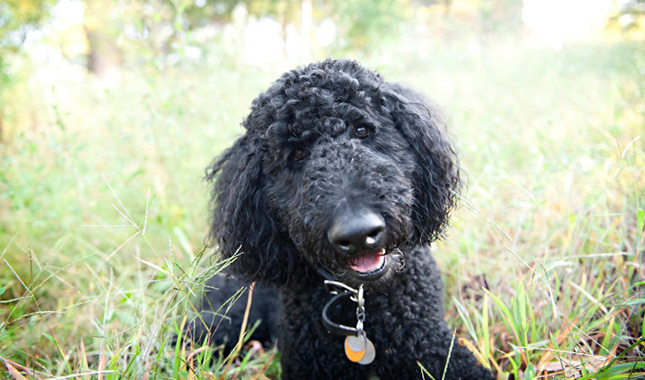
<point x="353" y="232"/>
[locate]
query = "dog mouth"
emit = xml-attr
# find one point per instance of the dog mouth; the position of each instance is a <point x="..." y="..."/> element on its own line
<point x="370" y="265"/>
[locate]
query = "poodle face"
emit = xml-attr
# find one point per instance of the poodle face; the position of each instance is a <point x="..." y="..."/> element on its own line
<point x="342" y="196"/>
<point x="337" y="170"/>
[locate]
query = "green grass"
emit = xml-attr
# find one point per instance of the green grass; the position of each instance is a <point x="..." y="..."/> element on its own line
<point x="103" y="212"/>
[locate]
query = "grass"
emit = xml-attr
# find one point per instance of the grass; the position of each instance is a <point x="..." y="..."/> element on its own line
<point x="103" y="213"/>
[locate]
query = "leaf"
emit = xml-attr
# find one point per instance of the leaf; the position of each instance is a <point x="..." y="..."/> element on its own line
<point x="14" y="372"/>
<point x="508" y="319"/>
<point x="619" y="371"/>
<point x="463" y="313"/>
<point x="51" y="339"/>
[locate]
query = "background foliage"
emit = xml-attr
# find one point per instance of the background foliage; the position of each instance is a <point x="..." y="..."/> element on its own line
<point x="111" y="110"/>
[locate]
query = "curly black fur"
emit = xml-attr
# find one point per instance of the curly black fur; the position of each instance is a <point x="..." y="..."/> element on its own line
<point x="326" y="145"/>
<point x="222" y="311"/>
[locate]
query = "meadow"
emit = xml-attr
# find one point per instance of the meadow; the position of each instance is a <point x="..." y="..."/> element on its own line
<point x="104" y="212"/>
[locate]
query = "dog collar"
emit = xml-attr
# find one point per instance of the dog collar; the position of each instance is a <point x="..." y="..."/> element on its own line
<point x="358" y="348"/>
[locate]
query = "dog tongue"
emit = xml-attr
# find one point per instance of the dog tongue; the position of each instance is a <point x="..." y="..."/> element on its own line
<point x="368" y="262"/>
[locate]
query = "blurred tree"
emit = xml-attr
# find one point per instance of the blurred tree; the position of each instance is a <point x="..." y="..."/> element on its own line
<point x="17" y="18"/>
<point x="285" y="12"/>
<point x="447" y="4"/>
<point x="500" y="16"/>
<point x="102" y="31"/>
<point x="497" y="16"/>
<point x="157" y="29"/>
<point x="365" y="23"/>
<point x="629" y="18"/>
<point x="360" y="22"/>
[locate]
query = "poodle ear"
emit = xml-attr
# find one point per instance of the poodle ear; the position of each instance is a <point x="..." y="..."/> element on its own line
<point x="242" y="225"/>
<point x="436" y="174"/>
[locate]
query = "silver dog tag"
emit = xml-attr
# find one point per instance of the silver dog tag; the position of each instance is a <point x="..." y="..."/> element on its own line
<point x="370" y="353"/>
<point x="356" y="343"/>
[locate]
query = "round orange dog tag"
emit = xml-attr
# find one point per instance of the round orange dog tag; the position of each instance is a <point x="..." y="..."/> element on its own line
<point x="355" y="347"/>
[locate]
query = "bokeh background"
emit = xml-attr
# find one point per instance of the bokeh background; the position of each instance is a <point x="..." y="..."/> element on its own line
<point x="110" y="110"/>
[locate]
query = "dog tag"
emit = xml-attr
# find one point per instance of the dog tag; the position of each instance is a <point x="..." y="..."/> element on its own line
<point x="370" y="353"/>
<point x="356" y="343"/>
<point x="359" y="341"/>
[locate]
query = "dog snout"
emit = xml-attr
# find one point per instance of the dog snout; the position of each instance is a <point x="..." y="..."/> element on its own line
<point x="353" y="232"/>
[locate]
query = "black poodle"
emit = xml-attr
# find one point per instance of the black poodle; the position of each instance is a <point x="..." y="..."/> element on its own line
<point x="332" y="197"/>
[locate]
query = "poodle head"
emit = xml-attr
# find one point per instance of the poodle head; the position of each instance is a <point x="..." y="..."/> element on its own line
<point x="337" y="170"/>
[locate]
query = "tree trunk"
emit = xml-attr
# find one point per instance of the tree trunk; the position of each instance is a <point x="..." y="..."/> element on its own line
<point x="103" y="57"/>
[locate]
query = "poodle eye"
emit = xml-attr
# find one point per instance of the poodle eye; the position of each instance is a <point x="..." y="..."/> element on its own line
<point x="298" y="155"/>
<point x="361" y="132"/>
